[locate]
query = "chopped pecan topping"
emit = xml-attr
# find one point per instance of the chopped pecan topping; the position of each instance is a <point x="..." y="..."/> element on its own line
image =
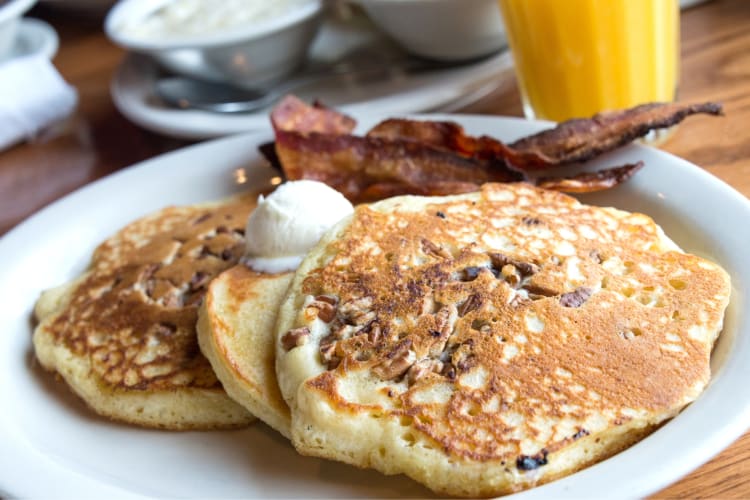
<point x="511" y="275"/>
<point x="325" y="306"/>
<point x="472" y="303"/>
<point x="471" y="273"/>
<point x="538" y="292"/>
<point x="327" y="351"/>
<point x="374" y="332"/>
<point x="445" y="319"/>
<point x="421" y="368"/>
<point x="193" y="299"/>
<point x="330" y="299"/>
<point x="200" y="279"/>
<point x="526" y="269"/>
<point x="396" y="362"/>
<point x="173" y="299"/>
<point x="464" y="361"/>
<point x="295" y="338"/>
<point x="431" y="248"/>
<point x="449" y="371"/>
<point x="576" y="298"/>
<point x="357" y="312"/>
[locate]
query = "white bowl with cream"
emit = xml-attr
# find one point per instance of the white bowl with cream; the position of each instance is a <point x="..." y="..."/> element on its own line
<point x="247" y="42"/>
<point x="444" y="30"/>
<point x="11" y="12"/>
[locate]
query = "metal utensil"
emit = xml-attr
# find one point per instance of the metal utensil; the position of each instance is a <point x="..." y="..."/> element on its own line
<point x="190" y="93"/>
<point x="186" y="93"/>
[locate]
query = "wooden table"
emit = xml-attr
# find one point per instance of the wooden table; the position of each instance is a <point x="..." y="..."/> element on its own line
<point x="98" y="141"/>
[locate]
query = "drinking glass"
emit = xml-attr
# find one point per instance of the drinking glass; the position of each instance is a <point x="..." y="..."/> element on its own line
<point x="575" y="58"/>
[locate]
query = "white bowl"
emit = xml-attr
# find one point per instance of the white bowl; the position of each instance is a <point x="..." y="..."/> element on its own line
<point x="10" y="14"/>
<point x="256" y="53"/>
<point x="445" y="30"/>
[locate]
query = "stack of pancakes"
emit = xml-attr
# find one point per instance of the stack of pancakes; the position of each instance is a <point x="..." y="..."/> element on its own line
<point x="481" y="343"/>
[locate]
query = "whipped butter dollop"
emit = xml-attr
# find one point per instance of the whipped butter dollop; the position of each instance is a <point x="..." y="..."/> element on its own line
<point x="289" y="222"/>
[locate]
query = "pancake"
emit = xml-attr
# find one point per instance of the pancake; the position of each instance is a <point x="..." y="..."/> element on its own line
<point x="123" y="334"/>
<point x="236" y="333"/>
<point x="490" y="342"/>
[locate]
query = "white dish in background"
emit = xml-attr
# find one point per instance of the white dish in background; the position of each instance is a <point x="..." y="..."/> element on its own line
<point x="443" y="30"/>
<point x="353" y="41"/>
<point x="46" y="432"/>
<point x="260" y="50"/>
<point x="34" y="37"/>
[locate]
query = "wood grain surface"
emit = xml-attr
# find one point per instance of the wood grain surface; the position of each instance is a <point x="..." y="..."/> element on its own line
<point x="98" y="141"/>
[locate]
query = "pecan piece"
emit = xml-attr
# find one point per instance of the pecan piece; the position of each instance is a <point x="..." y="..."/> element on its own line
<point x="576" y="298"/>
<point x="357" y="312"/>
<point x="421" y="368"/>
<point x="199" y="280"/>
<point x="396" y="362"/>
<point x="445" y="319"/>
<point x="472" y="272"/>
<point x="511" y="275"/>
<point x="327" y="351"/>
<point x="431" y="248"/>
<point x="472" y="303"/>
<point x="374" y="332"/>
<point x="325" y="307"/>
<point x="526" y="269"/>
<point x="295" y="338"/>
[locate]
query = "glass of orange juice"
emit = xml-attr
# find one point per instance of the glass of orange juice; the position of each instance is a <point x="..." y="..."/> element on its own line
<point x="575" y="58"/>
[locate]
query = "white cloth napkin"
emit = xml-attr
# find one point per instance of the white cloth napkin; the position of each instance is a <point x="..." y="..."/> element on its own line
<point x="33" y="96"/>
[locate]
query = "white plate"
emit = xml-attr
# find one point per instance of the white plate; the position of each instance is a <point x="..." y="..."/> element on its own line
<point x="51" y="446"/>
<point x="34" y="37"/>
<point x="404" y="92"/>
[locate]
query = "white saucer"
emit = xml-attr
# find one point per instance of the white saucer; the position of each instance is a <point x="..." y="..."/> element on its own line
<point x="396" y="90"/>
<point x="34" y="37"/>
<point x="444" y="90"/>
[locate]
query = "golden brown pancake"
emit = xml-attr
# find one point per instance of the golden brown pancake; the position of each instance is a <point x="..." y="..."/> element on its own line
<point x="489" y="342"/>
<point x="123" y="334"/>
<point x="236" y="333"/>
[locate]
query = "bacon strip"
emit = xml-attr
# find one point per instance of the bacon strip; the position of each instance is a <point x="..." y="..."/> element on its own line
<point x="589" y="182"/>
<point x="353" y="164"/>
<point x="451" y="136"/>
<point x="292" y="113"/>
<point x="583" y="139"/>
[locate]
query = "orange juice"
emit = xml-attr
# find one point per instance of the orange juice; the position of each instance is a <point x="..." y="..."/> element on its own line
<point x="575" y="58"/>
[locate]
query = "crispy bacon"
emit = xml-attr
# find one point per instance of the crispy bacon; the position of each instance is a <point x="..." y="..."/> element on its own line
<point x="404" y="156"/>
<point x="293" y="113"/>
<point x="451" y="136"/>
<point x="583" y="139"/>
<point x="589" y="182"/>
<point x="360" y="167"/>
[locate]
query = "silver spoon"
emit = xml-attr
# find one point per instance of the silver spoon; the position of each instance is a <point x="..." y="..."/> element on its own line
<point x="186" y="93"/>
